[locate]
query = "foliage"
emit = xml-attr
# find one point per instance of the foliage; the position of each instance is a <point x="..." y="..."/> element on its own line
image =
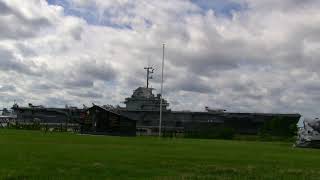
<point x="278" y="126"/>
<point x="264" y="138"/>
<point x="218" y="132"/>
<point x="26" y="126"/>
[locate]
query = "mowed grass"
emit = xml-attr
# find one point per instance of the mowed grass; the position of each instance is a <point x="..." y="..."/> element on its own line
<point x="36" y="155"/>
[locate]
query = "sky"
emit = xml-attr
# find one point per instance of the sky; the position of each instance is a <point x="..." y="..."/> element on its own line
<point x="238" y="55"/>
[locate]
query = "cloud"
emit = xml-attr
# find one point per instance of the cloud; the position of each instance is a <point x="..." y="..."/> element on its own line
<point x="88" y="94"/>
<point x="247" y="55"/>
<point x="76" y="83"/>
<point x="96" y="70"/>
<point x="11" y="18"/>
<point x="11" y="63"/>
<point x="7" y="88"/>
<point x="223" y="8"/>
<point x="85" y="72"/>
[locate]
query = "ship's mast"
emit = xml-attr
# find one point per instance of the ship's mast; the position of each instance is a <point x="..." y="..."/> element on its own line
<point x="160" y="119"/>
<point x="149" y="70"/>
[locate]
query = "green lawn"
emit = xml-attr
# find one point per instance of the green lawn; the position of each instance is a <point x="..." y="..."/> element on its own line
<point x="36" y="155"/>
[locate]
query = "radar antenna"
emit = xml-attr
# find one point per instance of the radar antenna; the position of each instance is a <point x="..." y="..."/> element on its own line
<point x="149" y="70"/>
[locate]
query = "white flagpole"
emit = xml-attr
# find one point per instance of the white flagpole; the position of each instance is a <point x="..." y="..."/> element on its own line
<point x="160" y="121"/>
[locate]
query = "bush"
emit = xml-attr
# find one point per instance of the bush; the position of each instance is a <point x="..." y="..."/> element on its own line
<point x="211" y="133"/>
<point x="278" y="126"/>
<point x="31" y="126"/>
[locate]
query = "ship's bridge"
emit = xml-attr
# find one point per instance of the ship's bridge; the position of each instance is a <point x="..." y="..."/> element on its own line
<point x="143" y="99"/>
<point x="143" y="92"/>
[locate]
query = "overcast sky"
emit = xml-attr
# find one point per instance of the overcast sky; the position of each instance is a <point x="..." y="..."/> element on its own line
<point x="240" y="55"/>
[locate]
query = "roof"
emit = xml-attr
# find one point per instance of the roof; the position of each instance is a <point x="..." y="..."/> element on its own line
<point x="104" y="109"/>
<point x="46" y="109"/>
<point x="10" y="116"/>
<point x="237" y="113"/>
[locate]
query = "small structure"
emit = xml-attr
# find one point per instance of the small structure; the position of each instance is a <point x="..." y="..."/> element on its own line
<point x="7" y="119"/>
<point x="99" y="120"/>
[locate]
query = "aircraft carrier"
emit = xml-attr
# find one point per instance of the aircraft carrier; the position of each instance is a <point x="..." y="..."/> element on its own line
<point x="144" y="107"/>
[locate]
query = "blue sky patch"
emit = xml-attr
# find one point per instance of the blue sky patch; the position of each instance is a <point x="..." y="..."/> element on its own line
<point x="89" y="14"/>
<point x="220" y="7"/>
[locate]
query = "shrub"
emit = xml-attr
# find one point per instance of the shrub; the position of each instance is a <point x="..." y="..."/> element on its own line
<point x="211" y="133"/>
<point x="278" y="126"/>
<point x="31" y="126"/>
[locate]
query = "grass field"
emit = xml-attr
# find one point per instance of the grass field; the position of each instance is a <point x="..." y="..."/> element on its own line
<point x="36" y="155"/>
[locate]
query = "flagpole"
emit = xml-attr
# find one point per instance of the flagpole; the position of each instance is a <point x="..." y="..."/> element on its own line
<point x="160" y="121"/>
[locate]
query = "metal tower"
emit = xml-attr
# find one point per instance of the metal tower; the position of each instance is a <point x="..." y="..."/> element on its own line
<point x="149" y="70"/>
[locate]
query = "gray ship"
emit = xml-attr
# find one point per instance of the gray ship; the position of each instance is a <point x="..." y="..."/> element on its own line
<point x="144" y="107"/>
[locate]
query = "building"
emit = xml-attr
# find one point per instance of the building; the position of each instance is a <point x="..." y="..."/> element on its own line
<point x="99" y="120"/>
<point x="7" y="117"/>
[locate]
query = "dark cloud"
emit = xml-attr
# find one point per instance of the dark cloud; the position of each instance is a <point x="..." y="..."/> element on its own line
<point x="76" y="33"/>
<point x="189" y="82"/>
<point x="14" y="24"/>
<point x="78" y="82"/>
<point x="8" y="62"/>
<point x="7" y="88"/>
<point x="195" y="87"/>
<point x="87" y="94"/>
<point x="43" y="86"/>
<point x="207" y="64"/>
<point x="136" y="81"/>
<point x="4" y="9"/>
<point x="9" y="99"/>
<point x="95" y="70"/>
<point x="56" y="102"/>
<point x="310" y="87"/>
<point x="84" y="73"/>
<point x="25" y="50"/>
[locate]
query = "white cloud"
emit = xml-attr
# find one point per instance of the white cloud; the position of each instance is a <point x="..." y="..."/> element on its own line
<point x="263" y="58"/>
